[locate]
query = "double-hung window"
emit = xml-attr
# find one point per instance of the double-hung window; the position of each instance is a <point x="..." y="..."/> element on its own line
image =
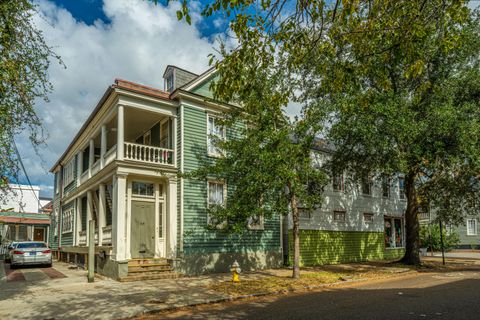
<point x="67" y="220"/>
<point x="367" y="186"/>
<point x="216" y="197"/>
<point x="401" y="187"/>
<point x="215" y="133"/>
<point x="337" y="182"/>
<point x="471" y="227"/>
<point x="68" y="172"/>
<point x="385" y="186"/>
<point x="339" y="216"/>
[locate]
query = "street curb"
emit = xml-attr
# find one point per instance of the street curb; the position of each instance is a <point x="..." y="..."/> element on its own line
<point x="263" y="294"/>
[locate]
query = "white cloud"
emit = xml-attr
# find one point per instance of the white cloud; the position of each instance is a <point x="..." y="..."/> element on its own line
<point x="137" y="45"/>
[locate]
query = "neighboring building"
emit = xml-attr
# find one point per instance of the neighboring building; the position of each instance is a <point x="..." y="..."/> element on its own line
<point x="21" y="215"/>
<point x="357" y="222"/>
<point x="121" y="171"/>
<point x="468" y="233"/>
<point x="22" y="198"/>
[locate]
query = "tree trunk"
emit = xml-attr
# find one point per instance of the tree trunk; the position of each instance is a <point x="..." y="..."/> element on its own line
<point x="412" y="256"/>
<point x="296" y="238"/>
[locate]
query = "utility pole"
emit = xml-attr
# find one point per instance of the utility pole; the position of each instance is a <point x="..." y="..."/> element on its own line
<point x="441" y="242"/>
<point x="91" y="250"/>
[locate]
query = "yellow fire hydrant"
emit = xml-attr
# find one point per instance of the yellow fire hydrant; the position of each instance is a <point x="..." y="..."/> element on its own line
<point x="235" y="270"/>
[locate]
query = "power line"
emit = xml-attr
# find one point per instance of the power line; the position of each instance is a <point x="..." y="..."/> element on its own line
<point x="26" y="175"/>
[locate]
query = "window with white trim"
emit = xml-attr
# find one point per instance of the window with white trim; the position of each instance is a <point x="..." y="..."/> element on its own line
<point x="169" y="83"/>
<point x="471" y="227"/>
<point x="337" y="183"/>
<point x="385" y="186"/>
<point x="368" y="217"/>
<point x="143" y="189"/>
<point x="304" y="214"/>
<point x="401" y="187"/>
<point x="393" y="232"/>
<point x="216" y="197"/>
<point x="67" y="220"/>
<point x="68" y="172"/>
<point x="215" y="132"/>
<point x="367" y="186"/>
<point x="256" y="222"/>
<point x="339" y="216"/>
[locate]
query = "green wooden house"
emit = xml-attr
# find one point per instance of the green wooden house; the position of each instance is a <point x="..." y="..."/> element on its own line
<point x="121" y="169"/>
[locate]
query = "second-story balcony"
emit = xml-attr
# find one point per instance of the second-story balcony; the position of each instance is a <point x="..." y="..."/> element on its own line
<point x="132" y="135"/>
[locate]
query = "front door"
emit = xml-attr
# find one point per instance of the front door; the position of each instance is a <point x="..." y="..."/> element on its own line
<point x="38" y="234"/>
<point x="142" y="233"/>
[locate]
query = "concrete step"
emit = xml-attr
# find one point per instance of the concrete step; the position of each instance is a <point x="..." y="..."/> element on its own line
<point x="148" y="268"/>
<point x="152" y="276"/>
<point x="143" y="262"/>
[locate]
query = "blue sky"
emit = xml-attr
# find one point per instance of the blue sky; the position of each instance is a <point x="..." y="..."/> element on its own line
<point x="89" y="11"/>
<point x="100" y="40"/>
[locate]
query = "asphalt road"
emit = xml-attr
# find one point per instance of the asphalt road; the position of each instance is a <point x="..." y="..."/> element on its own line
<point x="450" y="295"/>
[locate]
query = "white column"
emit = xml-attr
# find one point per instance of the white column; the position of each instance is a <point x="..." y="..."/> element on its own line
<point x="47" y="240"/>
<point x="102" y="218"/>
<point x="78" y="221"/>
<point x="120" y="132"/>
<point x="79" y="166"/>
<point x="119" y="217"/>
<point x="171" y="227"/>
<point x="103" y="145"/>
<point x="91" y="157"/>
<point x="89" y="211"/>
<point x="174" y="140"/>
<point x="128" y="222"/>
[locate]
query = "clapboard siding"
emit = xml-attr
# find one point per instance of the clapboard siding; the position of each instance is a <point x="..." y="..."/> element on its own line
<point x="331" y="247"/>
<point x="73" y="185"/>
<point x="469" y="241"/>
<point x="204" y="88"/>
<point x="197" y="238"/>
<point x="66" y="238"/>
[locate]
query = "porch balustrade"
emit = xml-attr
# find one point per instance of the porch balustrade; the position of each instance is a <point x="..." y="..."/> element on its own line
<point x="107" y="235"/>
<point x="150" y="154"/>
<point x="96" y="167"/>
<point x="111" y="154"/>
<point x="82" y="238"/>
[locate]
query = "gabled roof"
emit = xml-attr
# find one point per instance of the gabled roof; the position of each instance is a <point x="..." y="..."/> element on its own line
<point x="200" y="79"/>
<point x="172" y="66"/>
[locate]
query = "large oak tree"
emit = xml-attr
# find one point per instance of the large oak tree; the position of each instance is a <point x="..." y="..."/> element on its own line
<point x="394" y="83"/>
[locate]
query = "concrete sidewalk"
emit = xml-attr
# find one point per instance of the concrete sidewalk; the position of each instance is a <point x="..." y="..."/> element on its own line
<point x="73" y="298"/>
<point x="462" y="254"/>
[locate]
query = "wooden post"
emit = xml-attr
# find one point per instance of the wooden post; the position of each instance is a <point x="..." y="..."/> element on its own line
<point x="91" y="250"/>
<point x="441" y="242"/>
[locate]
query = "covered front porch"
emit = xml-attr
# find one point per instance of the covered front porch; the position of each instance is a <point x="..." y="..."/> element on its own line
<point x="131" y="134"/>
<point x="135" y="218"/>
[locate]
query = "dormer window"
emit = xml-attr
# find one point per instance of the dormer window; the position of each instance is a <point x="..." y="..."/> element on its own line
<point x="169" y="83"/>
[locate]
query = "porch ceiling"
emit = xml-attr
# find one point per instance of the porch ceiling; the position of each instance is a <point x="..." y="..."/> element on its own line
<point x="137" y="122"/>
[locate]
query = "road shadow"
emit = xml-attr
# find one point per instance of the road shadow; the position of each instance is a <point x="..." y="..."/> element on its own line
<point x="454" y="300"/>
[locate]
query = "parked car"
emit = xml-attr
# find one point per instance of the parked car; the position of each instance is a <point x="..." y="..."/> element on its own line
<point x="31" y="252"/>
<point x="8" y="251"/>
